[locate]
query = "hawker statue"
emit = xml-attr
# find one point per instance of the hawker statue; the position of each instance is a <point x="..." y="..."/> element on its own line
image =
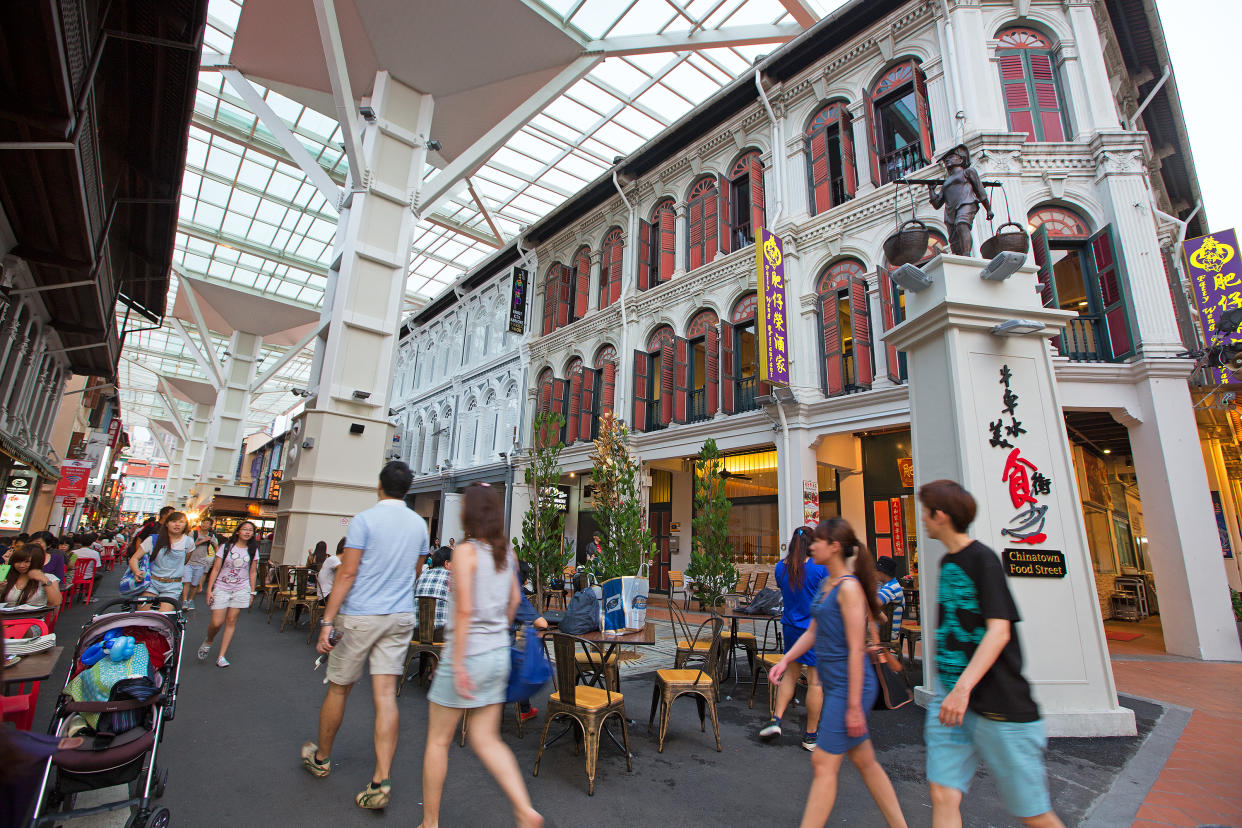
<point x="960" y="193"/>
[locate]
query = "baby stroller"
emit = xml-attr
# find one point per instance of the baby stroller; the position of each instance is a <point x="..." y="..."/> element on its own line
<point x="122" y="731"/>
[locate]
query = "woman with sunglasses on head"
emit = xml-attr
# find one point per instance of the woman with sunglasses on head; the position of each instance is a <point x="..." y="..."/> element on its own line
<point x="845" y="608"/>
<point x="168" y="551"/>
<point x="230" y="587"/>
<point x="799" y="578"/>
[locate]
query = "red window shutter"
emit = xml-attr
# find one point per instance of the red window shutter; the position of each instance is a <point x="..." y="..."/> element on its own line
<point x="645" y="254"/>
<point x="614" y="272"/>
<point x="560" y="402"/>
<point x="587" y="401"/>
<point x="605" y="276"/>
<point x="551" y="294"/>
<point x="1047" y="102"/>
<point x="642" y="399"/>
<point x="695" y="232"/>
<point x="845" y="132"/>
<point x="575" y="408"/>
<point x="1016" y="94"/>
<point x="757" y="215"/>
<point x="667" y="356"/>
<point x="1112" y="291"/>
<point x="609" y="383"/>
<point x="728" y="378"/>
<point x="711" y="362"/>
<point x="864" y="367"/>
<point x="873" y="127"/>
<point x="667" y="244"/>
<point x="888" y="312"/>
<point x="563" y="303"/>
<point x="724" y="214"/>
<point x="711" y="227"/>
<point x="681" y="380"/>
<point x="821" y="189"/>
<point x="1042" y="254"/>
<point x="924" y="112"/>
<point x="582" y="288"/>
<point x="832" y="372"/>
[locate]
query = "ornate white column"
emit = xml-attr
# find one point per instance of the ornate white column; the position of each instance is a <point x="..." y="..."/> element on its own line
<point x="1101" y="110"/>
<point x="977" y="74"/>
<point x="680" y="243"/>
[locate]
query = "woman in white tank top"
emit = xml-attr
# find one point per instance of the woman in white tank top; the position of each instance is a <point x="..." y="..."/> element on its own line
<point x="474" y="665"/>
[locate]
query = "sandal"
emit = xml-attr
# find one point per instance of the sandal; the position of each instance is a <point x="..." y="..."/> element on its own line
<point x="375" y="798"/>
<point x="313" y="765"/>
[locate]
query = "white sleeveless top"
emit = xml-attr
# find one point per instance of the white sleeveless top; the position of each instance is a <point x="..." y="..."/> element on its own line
<point x="489" y="621"/>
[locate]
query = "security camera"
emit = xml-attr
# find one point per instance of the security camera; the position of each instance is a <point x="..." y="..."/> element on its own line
<point x="361" y="395"/>
<point x="1002" y="266"/>
<point x="503" y="454"/>
<point x="434" y="145"/>
<point x="911" y="278"/>
<point x="299" y="392"/>
<point x="367" y="113"/>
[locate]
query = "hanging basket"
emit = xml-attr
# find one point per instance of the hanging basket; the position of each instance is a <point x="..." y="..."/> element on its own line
<point x="908" y="244"/>
<point x="1014" y="241"/>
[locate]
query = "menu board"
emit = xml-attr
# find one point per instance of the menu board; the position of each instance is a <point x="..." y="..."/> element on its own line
<point x="13" y="513"/>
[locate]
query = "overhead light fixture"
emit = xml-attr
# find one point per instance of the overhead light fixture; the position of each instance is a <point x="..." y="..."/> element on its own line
<point x="434" y="145"/>
<point x="367" y="113"/>
<point x="1107" y="451"/>
<point x="1002" y="266"/>
<point x="911" y="278"/>
<point x="1017" y="327"/>
<point x="361" y="395"/>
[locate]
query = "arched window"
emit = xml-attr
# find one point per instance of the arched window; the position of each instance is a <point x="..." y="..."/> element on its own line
<point x="845" y="329"/>
<point x="573" y="375"/>
<point x="703" y="366"/>
<point x="702" y="222"/>
<point x="1029" y="84"/>
<point x="893" y="303"/>
<point x="580" y="290"/>
<point x="653" y="380"/>
<point x="553" y="395"/>
<point x="899" y="122"/>
<point x="830" y="157"/>
<point x="739" y="358"/>
<point x="741" y="209"/>
<point x="657" y="245"/>
<point x="1058" y="222"/>
<point x="610" y="268"/>
<point x="557" y="303"/>
<point x="606" y="368"/>
<point x="469" y="439"/>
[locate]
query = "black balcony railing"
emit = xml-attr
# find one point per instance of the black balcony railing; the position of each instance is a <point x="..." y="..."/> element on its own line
<point x="839" y="196"/>
<point x="1081" y="340"/>
<point x="697" y="405"/>
<point x="745" y="395"/>
<point x="900" y="162"/>
<point x="653" y="417"/>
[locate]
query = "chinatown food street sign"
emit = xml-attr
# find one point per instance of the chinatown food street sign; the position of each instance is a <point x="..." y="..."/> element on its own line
<point x="1034" y="563"/>
<point x="1213" y="269"/>
<point x="772" y="312"/>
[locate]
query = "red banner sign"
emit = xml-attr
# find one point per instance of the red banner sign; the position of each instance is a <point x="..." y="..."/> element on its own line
<point x="898" y="527"/>
<point x="74" y="477"/>
<point x="70" y="500"/>
<point x="114" y="431"/>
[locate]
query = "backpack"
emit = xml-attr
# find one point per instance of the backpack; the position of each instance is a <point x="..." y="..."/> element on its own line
<point x="582" y="614"/>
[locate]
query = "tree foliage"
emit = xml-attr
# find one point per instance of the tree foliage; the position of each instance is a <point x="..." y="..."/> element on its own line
<point x="543" y="524"/>
<point x="625" y="540"/>
<point x="711" y="557"/>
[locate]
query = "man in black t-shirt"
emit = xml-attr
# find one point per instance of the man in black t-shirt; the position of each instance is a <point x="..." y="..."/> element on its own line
<point x="983" y="708"/>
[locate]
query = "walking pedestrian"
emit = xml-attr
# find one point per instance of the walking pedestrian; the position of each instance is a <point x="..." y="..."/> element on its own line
<point x="474" y="665"/>
<point x="327" y="572"/>
<point x="982" y="709"/>
<point x="888" y="592"/>
<point x="230" y="588"/>
<point x="372" y="606"/>
<point x="799" y="579"/>
<point x="841" y="615"/>
<point x="200" y="560"/>
<point x="168" y="551"/>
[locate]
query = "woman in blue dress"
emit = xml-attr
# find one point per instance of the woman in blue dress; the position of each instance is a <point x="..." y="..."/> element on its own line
<point x="842" y="612"/>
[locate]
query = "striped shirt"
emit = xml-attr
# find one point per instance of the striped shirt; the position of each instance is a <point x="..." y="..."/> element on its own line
<point x="892" y="591"/>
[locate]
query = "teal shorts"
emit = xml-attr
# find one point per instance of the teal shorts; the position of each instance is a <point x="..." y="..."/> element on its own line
<point x="1013" y="751"/>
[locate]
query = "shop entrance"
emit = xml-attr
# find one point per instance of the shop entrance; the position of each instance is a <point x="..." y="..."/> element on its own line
<point x="888" y="486"/>
<point x="661" y="524"/>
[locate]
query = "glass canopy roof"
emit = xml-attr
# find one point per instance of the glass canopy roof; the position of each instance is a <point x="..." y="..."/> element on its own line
<point x="250" y="218"/>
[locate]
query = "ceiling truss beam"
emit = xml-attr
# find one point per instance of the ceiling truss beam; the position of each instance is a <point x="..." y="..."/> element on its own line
<point x="705" y="39"/>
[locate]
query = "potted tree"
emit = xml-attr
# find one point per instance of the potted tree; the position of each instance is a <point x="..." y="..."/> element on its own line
<point x="625" y="540"/>
<point x="543" y="524"/>
<point x="711" y="558"/>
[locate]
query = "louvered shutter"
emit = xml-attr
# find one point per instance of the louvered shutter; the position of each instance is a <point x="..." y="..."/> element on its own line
<point x="582" y="287"/>
<point x="695" y="232"/>
<point x="1111" y="291"/>
<point x="888" y="313"/>
<point x="551" y="292"/>
<point x="864" y="366"/>
<point x="575" y="408"/>
<point x="645" y="254"/>
<point x="821" y="188"/>
<point x="587" y="404"/>
<point x="832" y="369"/>
<point x="1047" y="101"/>
<point x="724" y="215"/>
<point x="642" y="382"/>
<point x="545" y="406"/>
<point x="845" y="134"/>
<point x="614" y="272"/>
<point x="668" y="353"/>
<point x="711" y="226"/>
<point x="711" y="361"/>
<point x="487" y="444"/>
<point x="681" y="380"/>
<point x="1016" y="94"/>
<point x="608" y="382"/>
<point x="667" y="244"/>
<point x="1043" y="260"/>
<point x="728" y="372"/>
<point x="563" y="303"/>
<point x="873" y="138"/>
<point x="560" y="404"/>
<point x="924" y="112"/>
<point x="757" y="216"/>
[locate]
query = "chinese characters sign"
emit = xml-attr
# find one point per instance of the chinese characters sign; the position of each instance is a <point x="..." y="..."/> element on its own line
<point x="1026" y="483"/>
<point x="517" y="303"/>
<point x="1213" y="271"/>
<point x="772" y="314"/>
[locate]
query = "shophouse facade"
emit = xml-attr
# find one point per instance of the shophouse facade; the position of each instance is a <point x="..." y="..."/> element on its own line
<point x="645" y="282"/>
<point x="144" y="489"/>
<point x="458" y="393"/>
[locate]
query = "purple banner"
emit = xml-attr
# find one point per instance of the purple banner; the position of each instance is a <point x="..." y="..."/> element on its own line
<point x="1212" y="265"/>
<point x="772" y="315"/>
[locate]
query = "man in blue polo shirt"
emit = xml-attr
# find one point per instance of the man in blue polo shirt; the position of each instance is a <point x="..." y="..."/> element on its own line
<point x="372" y="608"/>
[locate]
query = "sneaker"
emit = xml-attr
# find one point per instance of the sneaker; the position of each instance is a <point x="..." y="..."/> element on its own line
<point x="809" y="740"/>
<point x="527" y="715"/>
<point x="314" y="766"/>
<point x="189" y="604"/>
<point x="771" y="731"/>
<point x="204" y="651"/>
<point x="375" y="797"/>
<point x="222" y="662"/>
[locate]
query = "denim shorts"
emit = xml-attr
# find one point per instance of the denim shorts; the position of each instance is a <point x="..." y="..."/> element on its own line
<point x="489" y="670"/>
<point x="193" y="574"/>
<point x="1013" y="751"/>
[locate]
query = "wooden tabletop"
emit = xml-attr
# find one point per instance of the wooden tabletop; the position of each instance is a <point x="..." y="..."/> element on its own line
<point x="34" y="667"/>
<point x="644" y="636"/>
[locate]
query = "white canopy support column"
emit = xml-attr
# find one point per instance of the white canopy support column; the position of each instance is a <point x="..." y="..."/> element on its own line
<point x="228" y="416"/>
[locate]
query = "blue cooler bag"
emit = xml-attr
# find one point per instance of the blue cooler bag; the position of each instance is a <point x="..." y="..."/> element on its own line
<point x="529" y="669"/>
<point x="625" y="601"/>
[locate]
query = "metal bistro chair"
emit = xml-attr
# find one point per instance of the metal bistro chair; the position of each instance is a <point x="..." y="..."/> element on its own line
<point x="761" y="581"/>
<point x="301" y="597"/>
<point x="765" y="659"/>
<point x="743" y="639"/>
<point x="676" y="584"/>
<point x="282" y="590"/>
<point x="424" y="644"/>
<point x="699" y="682"/>
<point x="687" y="646"/>
<point x="589" y="707"/>
<point x="261" y="582"/>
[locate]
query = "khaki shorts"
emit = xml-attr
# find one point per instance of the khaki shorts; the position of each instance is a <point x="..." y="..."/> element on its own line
<point x="382" y="641"/>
